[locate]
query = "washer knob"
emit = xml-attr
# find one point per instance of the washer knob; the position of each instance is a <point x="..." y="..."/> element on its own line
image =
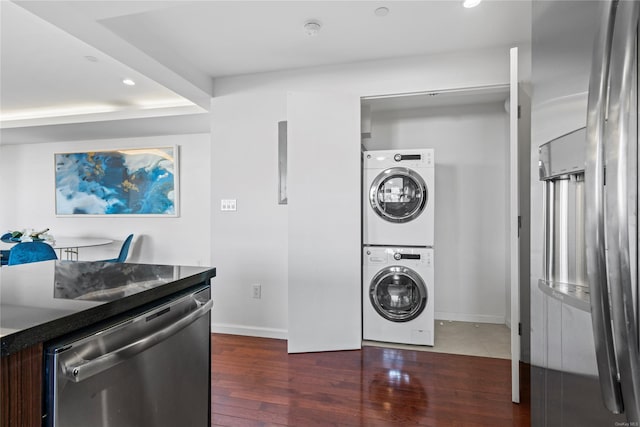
<point x="397" y="157"/>
<point x="397" y="256"/>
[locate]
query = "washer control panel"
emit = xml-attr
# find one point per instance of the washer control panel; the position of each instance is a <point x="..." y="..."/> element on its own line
<point x="402" y="256"/>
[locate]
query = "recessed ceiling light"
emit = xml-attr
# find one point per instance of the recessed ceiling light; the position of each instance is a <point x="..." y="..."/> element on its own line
<point x="471" y="3"/>
<point x="382" y="11"/>
<point x="312" y="28"/>
<point x="128" y="82"/>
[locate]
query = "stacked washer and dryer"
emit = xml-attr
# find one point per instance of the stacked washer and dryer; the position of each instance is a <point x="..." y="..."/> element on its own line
<point x="398" y="229"/>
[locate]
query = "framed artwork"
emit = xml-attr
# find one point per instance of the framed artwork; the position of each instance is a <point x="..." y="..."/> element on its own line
<point x="130" y="182"/>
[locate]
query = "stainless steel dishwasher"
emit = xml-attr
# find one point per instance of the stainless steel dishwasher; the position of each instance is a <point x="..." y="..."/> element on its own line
<point x="149" y="370"/>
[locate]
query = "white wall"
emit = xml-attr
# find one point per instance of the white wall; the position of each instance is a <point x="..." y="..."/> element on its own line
<point x="249" y="246"/>
<point x="471" y="146"/>
<point x="27" y="176"/>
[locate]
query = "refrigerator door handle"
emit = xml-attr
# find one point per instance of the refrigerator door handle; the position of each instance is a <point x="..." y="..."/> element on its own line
<point x="594" y="224"/>
<point x="620" y="100"/>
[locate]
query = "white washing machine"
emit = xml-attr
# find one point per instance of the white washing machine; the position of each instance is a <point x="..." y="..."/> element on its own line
<point x="398" y="197"/>
<point x="398" y="303"/>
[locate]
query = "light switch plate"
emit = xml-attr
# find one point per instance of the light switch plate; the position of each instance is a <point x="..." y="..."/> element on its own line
<point x="228" y="204"/>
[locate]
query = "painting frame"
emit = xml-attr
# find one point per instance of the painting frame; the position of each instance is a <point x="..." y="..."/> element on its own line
<point x="132" y="182"/>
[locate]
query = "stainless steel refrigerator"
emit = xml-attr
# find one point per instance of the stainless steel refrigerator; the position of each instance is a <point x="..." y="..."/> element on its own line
<point x="585" y="354"/>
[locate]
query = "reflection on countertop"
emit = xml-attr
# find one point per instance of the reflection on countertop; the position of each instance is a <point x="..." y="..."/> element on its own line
<point x="104" y="281"/>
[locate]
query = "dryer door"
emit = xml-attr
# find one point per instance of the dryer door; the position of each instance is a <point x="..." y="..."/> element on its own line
<point x="398" y="294"/>
<point x="398" y="195"/>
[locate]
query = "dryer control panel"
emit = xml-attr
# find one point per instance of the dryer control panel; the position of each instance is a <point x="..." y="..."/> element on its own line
<point x="400" y="256"/>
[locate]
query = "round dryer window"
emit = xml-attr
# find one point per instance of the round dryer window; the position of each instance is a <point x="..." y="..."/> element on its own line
<point x="398" y="195"/>
<point x="398" y="294"/>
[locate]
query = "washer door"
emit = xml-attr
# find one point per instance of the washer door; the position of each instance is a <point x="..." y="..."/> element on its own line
<point x="398" y="195"/>
<point x="398" y="294"/>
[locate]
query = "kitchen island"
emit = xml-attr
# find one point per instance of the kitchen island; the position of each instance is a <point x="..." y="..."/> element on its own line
<point x="45" y="302"/>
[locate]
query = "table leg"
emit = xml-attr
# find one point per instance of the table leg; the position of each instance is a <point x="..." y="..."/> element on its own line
<point x="70" y="254"/>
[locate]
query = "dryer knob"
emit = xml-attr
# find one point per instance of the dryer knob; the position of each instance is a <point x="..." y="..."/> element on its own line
<point x="397" y="256"/>
<point x="397" y="157"/>
<point x="368" y="252"/>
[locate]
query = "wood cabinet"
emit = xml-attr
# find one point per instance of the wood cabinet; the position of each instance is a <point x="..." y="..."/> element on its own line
<point x="21" y="377"/>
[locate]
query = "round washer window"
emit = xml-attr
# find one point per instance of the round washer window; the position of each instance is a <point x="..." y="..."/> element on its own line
<point x="398" y="294"/>
<point x="398" y="195"/>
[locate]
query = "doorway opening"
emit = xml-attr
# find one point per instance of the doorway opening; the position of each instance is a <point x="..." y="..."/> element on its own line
<point x="468" y="130"/>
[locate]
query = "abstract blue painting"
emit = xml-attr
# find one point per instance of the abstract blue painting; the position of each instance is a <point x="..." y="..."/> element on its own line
<point x="138" y="181"/>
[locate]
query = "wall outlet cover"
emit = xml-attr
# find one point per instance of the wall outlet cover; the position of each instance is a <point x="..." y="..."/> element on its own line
<point x="228" y="205"/>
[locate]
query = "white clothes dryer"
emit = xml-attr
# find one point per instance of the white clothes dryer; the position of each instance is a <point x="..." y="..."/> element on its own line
<point x="398" y="303"/>
<point x="398" y="196"/>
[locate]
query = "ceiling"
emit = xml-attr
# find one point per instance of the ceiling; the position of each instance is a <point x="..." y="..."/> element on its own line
<point x="62" y="62"/>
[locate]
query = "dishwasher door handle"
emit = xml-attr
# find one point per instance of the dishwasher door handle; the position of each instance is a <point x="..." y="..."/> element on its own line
<point x="77" y="372"/>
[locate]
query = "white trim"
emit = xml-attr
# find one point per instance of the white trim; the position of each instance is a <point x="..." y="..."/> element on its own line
<point x="514" y="241"/>
<point x="475" y="318"/>
<point x="464" y="90"/>
<point x="47" y="118"/>
<point x="253" y="331"/>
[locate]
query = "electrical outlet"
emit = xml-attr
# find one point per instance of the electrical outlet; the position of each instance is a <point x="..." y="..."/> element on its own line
<point x="257" y="291"/>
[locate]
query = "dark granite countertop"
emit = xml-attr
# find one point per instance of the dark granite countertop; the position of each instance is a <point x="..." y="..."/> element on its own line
<point x="45" y="300"/>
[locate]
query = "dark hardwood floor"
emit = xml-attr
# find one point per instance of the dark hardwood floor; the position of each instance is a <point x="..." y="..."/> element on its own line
<point x="256" y="383"/>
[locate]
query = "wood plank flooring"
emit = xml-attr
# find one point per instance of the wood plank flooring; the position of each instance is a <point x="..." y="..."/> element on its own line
<point x="256" y="383"/>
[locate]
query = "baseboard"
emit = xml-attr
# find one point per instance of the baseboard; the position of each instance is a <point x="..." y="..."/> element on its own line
<point x="282" y="334"/>
<point x="253" y="331"/>
<point x="476" y="318"/>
